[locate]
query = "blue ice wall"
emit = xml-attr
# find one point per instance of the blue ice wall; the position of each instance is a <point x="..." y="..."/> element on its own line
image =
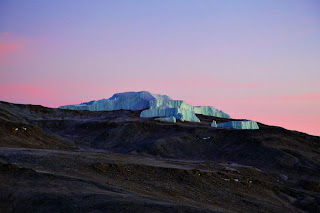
<point x="239" y="125"/>
<point x="214" y="124"/>
<point x="155" y="106"/>
<point x="179" y="109"/>
<point x="170" y="119"/>
<point x="211" y="111"/>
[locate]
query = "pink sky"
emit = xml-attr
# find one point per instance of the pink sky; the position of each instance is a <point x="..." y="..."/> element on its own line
<point x="258" y="61"/>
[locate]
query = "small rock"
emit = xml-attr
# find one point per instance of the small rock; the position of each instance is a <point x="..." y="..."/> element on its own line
<point x="284" y="177"/>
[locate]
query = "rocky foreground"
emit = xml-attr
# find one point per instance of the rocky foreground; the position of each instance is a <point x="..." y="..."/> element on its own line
<point x="58" y="160"/>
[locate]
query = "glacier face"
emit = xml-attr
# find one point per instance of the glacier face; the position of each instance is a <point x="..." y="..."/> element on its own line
<point x="126" y="100"/>
<point x="211" y="111"/>
<point x="155" y="106"/>
<point x="170" y="119"/>
<point x="179" y="109"/>
<point x="239" y="125"/>
<point x="214" y="124"/>
<point x="170" y="104"/>
<point x="179" y="113"/>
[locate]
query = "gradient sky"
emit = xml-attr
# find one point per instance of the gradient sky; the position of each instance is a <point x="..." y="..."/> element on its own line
<point x="258" y="60"/>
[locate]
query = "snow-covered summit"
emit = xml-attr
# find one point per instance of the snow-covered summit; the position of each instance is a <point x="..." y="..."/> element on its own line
<point x="125" y="100"/>
<point x="145" y="95"/>
<point x="154" y="105"/>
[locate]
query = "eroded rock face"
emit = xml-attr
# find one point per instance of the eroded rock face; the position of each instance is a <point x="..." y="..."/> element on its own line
<point x="239" y="125"/>
<point x="126" y="100"/>
<point x="170" y="119"/>
<point x="210" y="111"/>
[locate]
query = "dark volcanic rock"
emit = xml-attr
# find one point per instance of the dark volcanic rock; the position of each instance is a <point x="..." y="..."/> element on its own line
<point x="178" y="167"/>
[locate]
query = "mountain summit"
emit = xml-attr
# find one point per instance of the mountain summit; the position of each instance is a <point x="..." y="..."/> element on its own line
<point x="125" y="100"/>
<point x="154" y="105"/>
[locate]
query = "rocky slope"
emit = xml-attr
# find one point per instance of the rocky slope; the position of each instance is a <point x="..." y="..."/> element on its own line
<point x="99" y="157"/>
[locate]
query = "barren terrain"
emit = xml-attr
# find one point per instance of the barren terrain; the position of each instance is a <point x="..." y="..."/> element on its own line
<point x="54" y="160"/>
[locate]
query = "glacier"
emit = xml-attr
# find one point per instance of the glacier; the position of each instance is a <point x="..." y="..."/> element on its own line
<point x="214" y="124"/>
<point x="179" y="109"/>
<point x="153" y="105"/>
<point x="210" y="111"/>
<point x="239" y="125"/>
<point x="170" y="119"/>
<point x="126" y="100"/>
<point x="178" y="113"/>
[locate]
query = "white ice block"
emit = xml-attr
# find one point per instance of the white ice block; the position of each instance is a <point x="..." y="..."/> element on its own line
<point x="126" y="100"/>
<point x="211" y="111"/>
<point x="170" y="119"/>
<point x="214" y="124"/>
<point x="239" y="125"/>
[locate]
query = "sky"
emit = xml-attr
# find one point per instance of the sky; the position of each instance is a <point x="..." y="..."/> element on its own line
<point x="257" y="60"/>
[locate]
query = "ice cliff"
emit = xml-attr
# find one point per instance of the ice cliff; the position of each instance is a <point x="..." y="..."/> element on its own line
<point x="167" y="119"/>
<point x="239" y="125"/>
<point x="214" y="124"/>
<point x="126" y="100"/>
<point x="164" y="108"/>
<point x="155" y="106"/>
<point x="211" y="111"/>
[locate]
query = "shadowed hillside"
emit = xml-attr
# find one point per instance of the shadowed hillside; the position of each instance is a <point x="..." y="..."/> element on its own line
<point x="188" y="166"/>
